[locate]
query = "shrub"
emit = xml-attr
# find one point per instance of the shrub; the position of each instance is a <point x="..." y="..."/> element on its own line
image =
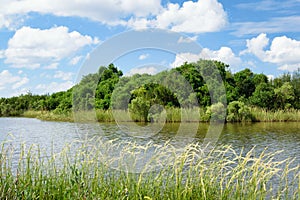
<point x="237" y="111"/>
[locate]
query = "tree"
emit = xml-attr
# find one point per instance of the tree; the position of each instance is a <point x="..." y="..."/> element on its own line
<point x="237" y="111"/>
<point x="263" y="96"/>
<point x="244" y="83"/>
<point x="284" y="95"/>
<point x="140" y="104"/>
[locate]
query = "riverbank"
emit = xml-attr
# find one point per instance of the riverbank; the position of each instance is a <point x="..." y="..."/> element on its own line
<point x="173" y="115"/>
<point x="197" y="173"/>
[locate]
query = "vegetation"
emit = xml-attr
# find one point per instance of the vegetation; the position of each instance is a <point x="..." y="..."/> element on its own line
<point x="195" y="173"/>
<point x="249" y="96"/>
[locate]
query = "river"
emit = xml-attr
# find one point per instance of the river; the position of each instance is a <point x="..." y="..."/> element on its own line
<point x="52" y="137"/>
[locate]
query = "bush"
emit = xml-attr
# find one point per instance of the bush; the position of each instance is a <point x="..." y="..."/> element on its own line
<point x="216" y="112"/>
<point x="237" y="111"/>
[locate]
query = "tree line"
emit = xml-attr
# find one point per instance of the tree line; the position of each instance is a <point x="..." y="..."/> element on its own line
<point x="189" y="85"/>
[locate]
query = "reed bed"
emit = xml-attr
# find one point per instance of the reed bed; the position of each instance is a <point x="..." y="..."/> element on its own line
<point x="49" y="115"/>
<point x="93" y="170"/>
<point x="173" y="115"/>
<point x="263" y="115"/>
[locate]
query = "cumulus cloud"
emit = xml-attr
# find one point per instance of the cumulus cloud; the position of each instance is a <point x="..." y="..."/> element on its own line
<point x="143" y="56"/>
<point x="107" y="12"/>
<point x="54" y="87"/>
<point x="224" y="54"/>
<point x="283" y="51"/>
<point x="191" y="17"/>
<point x="31" y="47"/>
<point x="9" y="80"/>
<point x="66" y="76"/>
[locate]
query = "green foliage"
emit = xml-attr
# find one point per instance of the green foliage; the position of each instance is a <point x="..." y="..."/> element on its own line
<point x="238" y="112"/>
<point x="216" y="112"/>
<point x="284" y="95"/>
<point x="263" y="96"/>
<point x="144" y="97"/>
<point x="244" y="82"/>
<point x="188" y="86"/>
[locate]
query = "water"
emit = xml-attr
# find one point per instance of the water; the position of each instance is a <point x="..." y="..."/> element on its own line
<point x="52" y="137"/>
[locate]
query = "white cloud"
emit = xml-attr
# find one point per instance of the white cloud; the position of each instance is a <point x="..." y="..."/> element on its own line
<point x="269" y="5"/>
<point x="273" y="25"/>
<point x="3" y="21"/>
<point x="30" y="47"/>
<point x="185" y="57"/>
<point x="54" y="87"/>
<point x="107" y="12"/>
<point x="290" y="67"/>
<point x="142" y="70"/>
<point x="22" y="82"/>
<point x="9" y="80"/>
<point x="224" y="54"/>
<point x="51" y="66"/>
<point x="2" y="54"/>
<point x="6" y="78"/>
<point x="139" y="23"/>
<point x="283" y="51"/>
<point x="257" y="45"/>
<point x="143" y="56"/>
<point x="193" y="17"/>
<point x="187" y="39"/>
<point x="66" y="76"/>
<point x="75" y="60"/>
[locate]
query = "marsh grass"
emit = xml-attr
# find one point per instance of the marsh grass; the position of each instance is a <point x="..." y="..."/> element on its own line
<point x="83" y="171"/>
<point x="173" y="115"/>
<point x="49" y="115"/>
<point x="263" y="115"/>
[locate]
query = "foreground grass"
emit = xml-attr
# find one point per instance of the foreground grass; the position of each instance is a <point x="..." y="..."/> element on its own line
<point x="83" y="171"/>
<point x="172" y="115"/>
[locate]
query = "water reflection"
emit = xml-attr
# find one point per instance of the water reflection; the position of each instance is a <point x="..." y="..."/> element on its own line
<point x="52" y="136"/>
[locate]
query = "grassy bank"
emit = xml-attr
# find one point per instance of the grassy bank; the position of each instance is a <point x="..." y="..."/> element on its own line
<point x="196" y="173"/>
<point x="49" y="115"/>
<point x="263" y="115"/>
<point x="172" y="115"/>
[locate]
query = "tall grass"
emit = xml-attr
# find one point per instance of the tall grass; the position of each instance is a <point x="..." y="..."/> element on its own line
<point x="82" y="171"/>
<point x="172" y="115"/>
<point x="49" y="115"/>
<point x="263" y="115"/>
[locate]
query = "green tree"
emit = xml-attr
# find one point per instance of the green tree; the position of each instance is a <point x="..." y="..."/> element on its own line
<point x="263" y="96"/>
<point x="244" y="83"/>
<point x="284" y="95"/>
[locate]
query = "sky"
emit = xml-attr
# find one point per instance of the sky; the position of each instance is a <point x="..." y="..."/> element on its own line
<point x="45" y="44"/>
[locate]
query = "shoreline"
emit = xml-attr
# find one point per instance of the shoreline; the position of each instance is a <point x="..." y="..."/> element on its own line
<point x="259" y="115"/>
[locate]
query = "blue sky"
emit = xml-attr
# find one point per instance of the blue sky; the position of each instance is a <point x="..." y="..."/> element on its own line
<point x="44" y="44"/>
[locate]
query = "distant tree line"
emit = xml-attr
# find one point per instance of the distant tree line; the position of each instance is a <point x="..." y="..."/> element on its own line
<point x="138" y="93"/>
